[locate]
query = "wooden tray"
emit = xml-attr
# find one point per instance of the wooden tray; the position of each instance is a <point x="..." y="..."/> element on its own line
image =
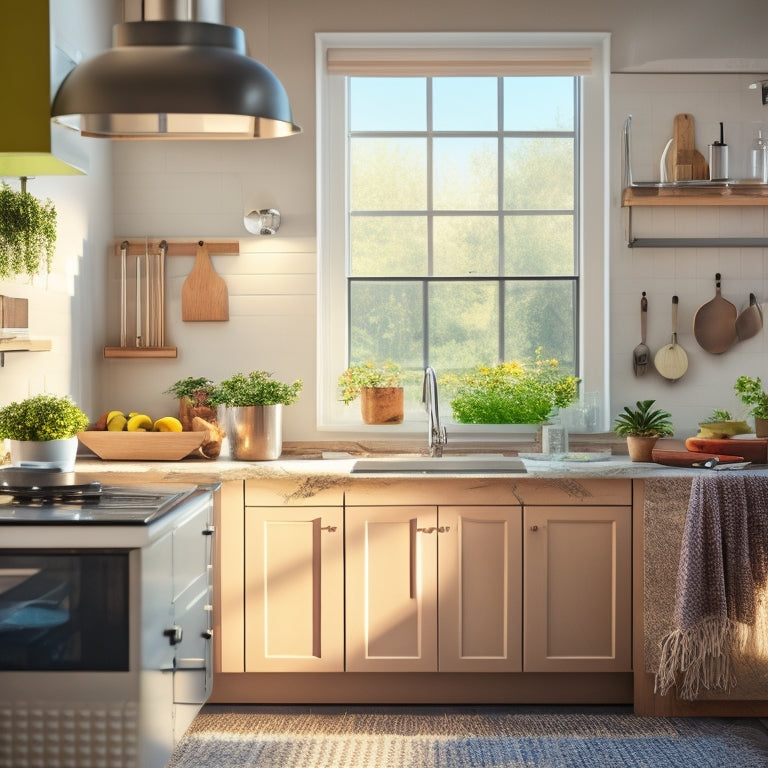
<point x="141" y="446"/>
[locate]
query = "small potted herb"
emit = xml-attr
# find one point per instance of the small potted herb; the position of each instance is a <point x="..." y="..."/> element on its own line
<point x="194" y="400"/>
<point x="27" y="233"/>
<point x="253" y="410"/>
<point x="379" y="387"/>
<point x="42" y="431"/>
<point x="751" y="393"/>
<point x="643" y="426"/>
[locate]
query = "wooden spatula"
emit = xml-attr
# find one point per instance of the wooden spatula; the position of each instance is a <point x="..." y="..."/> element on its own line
<point x="204" y="295"/>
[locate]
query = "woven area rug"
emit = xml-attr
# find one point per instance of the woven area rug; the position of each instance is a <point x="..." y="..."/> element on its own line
<point x="464" y="737"/>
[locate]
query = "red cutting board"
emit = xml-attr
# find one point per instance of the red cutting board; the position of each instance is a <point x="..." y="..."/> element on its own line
<point x="689" y="458"/>
<point x="752" y="450"/>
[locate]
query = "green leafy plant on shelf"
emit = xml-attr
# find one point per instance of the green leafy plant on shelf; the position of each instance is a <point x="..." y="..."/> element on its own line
<point x="510" y="393"/>
<point x="751" y="393"/>
<point x="254" y="388"/>
<point x="27" y="233"/>
<point x="368" y="374"/>
<point x="42" y="418"/>
<point x="643" y="421"/>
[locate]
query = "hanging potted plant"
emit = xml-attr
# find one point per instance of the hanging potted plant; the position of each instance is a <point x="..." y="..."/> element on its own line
<point x="751" y="393"/>
<point x="253" y="413"/>
<point x="27" y="233"/>
<point x="42" y="431"/>
<point x="379" y="388"/>
<point x="642" y="427"/>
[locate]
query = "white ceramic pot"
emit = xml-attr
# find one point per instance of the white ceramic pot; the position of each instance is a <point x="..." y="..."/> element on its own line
<point x="45" y="454"/>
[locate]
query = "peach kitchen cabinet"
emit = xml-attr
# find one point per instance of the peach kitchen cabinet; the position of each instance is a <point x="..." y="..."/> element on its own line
<point x="433" y="588"/>
<point x="282" y="584"/>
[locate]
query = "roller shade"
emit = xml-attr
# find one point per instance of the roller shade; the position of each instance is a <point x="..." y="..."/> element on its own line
<point x="426" y="62"/>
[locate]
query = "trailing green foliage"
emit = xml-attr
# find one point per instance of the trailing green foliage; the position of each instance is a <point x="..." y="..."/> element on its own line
<point x="511" y="393"/>
<point x="42" y="417"/>
<point x="368" y="374"/>
<point x="751" y="393"/>
<point x="643" y="422"/>
<point x="255" y="388"/>
<point x="27" y="233"/>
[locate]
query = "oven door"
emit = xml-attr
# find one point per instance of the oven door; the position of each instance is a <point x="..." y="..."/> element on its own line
<point x="64" y="610"/>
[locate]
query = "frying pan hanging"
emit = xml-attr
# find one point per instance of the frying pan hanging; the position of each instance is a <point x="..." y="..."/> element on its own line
<point x="671" y="361"/>
<point x="714" y="324"/>
<point x="750" y="320"/>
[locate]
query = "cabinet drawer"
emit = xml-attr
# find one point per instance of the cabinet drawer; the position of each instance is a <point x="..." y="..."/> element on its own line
<point x="575" y="492"/>
<point x="292" y="491"/>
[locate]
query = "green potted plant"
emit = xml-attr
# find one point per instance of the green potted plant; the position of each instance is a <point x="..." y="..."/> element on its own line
<point x="643" y="426"/>
<point x="42" y="431"/>
<point x="751" y="393"/>
<point x="27" y="233"/>
<point x="379" y="387"/>
<point x="193" y="395"/>
<point x="514" y="392"/>
<point x="253" y="412"/>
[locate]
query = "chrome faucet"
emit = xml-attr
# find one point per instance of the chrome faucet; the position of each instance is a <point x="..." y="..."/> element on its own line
<point x="436" y="436"/>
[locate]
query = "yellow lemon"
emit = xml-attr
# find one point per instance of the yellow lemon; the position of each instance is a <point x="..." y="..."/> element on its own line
<point x="168" y="424"/>
<point x="139" y="423"/>
<point x="116" y="421"/>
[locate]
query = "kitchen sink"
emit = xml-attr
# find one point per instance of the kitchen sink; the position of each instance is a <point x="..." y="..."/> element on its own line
<point x="428" y="465"/>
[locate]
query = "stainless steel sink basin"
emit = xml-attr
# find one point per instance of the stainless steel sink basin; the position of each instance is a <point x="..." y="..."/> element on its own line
<point x="428" y="465"/>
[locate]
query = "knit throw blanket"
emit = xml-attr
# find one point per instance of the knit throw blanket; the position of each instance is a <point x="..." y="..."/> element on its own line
<point x="721" y="584"/>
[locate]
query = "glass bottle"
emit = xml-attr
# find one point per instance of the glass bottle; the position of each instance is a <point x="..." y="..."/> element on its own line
<point x="758" y="158"/>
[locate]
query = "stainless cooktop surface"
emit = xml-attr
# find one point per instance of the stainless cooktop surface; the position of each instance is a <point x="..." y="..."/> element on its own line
<point x="41" y="496"/>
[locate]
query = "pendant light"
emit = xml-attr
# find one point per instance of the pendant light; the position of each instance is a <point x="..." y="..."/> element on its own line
<point x="177" y="74"/>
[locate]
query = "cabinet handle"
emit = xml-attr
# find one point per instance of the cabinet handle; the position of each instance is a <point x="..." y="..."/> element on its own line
<point x="444" y="529"/>
<point x="174" y="634"/>
<point x="431" y="529"/>
<point x="329" y="528"/>
<point x="208" y="531"/>
<point x="534" y="528"/>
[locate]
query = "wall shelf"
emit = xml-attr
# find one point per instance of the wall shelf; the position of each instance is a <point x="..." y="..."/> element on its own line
<point x="713" y="193"/>
<point x="23" y="345"/>
<point x="139" y="351"/>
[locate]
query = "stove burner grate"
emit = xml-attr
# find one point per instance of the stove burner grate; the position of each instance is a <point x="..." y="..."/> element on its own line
<point x="46" y="497"/>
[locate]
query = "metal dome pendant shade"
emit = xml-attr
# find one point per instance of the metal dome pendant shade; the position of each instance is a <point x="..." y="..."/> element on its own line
<point x="174" y="79"/>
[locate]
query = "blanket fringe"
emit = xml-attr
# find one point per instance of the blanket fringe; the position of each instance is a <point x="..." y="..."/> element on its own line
<point x="702" y="655"/>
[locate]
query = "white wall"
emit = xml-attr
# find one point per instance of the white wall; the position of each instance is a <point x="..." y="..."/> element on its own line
<point x="202" y="190"/>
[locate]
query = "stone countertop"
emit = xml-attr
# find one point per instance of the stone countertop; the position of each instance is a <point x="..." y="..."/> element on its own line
<point x="224" y="469"/>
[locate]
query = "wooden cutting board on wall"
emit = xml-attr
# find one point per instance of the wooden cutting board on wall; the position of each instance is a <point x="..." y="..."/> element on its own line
<point x="14" y="313"/>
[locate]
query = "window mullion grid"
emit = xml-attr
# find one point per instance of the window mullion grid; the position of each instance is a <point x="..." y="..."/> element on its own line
<point x="500" y="202"/>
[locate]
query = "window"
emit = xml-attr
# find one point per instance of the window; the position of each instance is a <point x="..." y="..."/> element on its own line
<point x="452" y="226"/>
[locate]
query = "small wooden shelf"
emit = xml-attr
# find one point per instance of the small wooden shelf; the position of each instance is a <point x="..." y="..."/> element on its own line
<point x="139" y="351"/>
<point x="22" y="345"/>
<point x="707" y="193"/>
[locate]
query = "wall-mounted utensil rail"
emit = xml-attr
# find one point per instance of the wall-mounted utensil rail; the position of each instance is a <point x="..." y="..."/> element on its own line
<point x="142" y="278"/>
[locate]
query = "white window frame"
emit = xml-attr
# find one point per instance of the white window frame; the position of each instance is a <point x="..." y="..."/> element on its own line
<point x="332" y="415"/>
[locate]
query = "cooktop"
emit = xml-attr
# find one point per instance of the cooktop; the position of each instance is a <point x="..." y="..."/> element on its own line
<point x="42" y="496"/>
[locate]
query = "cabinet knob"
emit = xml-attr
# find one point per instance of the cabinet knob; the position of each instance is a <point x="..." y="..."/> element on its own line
<point x="534" y="528"/>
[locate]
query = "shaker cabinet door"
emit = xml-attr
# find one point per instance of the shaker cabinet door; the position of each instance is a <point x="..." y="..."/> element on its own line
<point x="391" y="582"/>
<point x="294" y="589"/>
<point x="577" y="595"/>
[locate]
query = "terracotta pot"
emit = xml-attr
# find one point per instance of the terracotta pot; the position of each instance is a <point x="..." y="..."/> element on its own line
<point x="381" y="405"/>
<point x="641" y="448"/>
<point x="761" y="427"/>
<point x="188" y="412"/>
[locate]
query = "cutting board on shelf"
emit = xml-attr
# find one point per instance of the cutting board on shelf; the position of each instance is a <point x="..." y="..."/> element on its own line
<point x="688" y="163"/>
